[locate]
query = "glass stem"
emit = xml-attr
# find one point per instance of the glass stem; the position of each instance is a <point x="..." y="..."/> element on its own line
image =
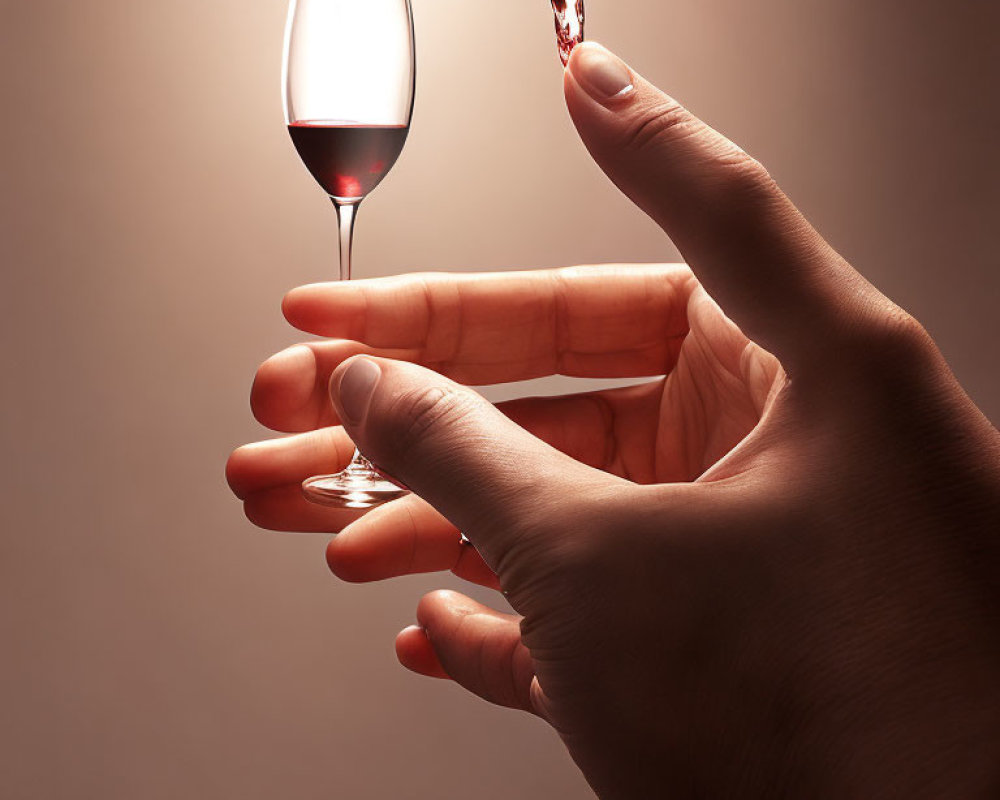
<point x="346" y="212"/>
<point x="361" y="469"/>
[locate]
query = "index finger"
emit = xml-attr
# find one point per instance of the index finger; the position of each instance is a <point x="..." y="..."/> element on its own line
<point x="607" y="321"/>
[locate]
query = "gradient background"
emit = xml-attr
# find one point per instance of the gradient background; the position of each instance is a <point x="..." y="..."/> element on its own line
<point x="156" y="645"/>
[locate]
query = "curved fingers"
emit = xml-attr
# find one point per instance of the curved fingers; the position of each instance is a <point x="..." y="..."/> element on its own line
<point x="610" y="430"/>
<point x="607" y="430"/>
<point x="613" y="430"/>
<point x="290" y="391"/>
<point x="404" y="537"/>
<point x="287" y="460"/>
<point x="414" y="651"/>
<point x="474" y="645"/>
<point x="291" y="394"/>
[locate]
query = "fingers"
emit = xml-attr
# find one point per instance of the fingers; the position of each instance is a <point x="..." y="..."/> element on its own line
<point x="475" y="646"/>
<point x="400" y="538"/>
<point x="715" y="397"/>
<point x="608" y="321"/>
<point x="605" y="429"/>
<point x="489" y="477"/>
<point x="746" y="242"/>
<point x="290" y="389"/>
<point x="267" y="477"/>
<point x="403" y="538"/>
<point x="611" y="430"/>
<point x="288" y="460"/>
<point x="414" y="651"/>
<point x="285" y="510"/>
<point x="608" y="430"/>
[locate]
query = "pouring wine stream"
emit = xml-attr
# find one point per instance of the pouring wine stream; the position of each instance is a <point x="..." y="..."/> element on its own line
<point x="569" y="26"/>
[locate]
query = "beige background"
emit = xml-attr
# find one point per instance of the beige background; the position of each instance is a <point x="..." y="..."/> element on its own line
<point x="154" y="644"/>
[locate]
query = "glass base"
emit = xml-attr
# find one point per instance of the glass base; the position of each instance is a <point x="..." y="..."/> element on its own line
<point x="359" y="486"/>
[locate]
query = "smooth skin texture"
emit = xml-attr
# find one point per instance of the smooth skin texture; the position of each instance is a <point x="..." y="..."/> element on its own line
<point x="769" y="572"/>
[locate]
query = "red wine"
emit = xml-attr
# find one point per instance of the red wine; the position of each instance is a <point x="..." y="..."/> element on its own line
<point x="348" y="161"/>
<point x="569" y="26"/>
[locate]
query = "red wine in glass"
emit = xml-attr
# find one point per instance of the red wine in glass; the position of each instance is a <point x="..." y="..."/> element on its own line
<point x="569" y="26"/>
<point x="348" y="161"/>
<point x="348" y="93"/>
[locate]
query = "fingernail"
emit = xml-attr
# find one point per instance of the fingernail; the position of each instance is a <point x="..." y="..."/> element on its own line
<point x="602" y="74"/>
<point x="354" y="394"/>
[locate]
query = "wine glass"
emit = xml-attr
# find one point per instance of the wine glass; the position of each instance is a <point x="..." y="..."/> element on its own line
<point x="348" y="92"/>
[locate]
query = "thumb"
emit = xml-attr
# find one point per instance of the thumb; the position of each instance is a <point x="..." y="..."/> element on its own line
<point x="490" y="478"/>
<point x="744" y="239"/>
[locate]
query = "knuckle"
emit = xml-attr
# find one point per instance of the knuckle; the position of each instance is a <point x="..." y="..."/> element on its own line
<point x="894" y="338"/>
<point x="417" y="414"/>
<point x="721" y="165"/>
<point x="884" y="356"/>
<point x="663" y="120"/>
<point x="900" y="328"/>
<point x="740" y="173"/>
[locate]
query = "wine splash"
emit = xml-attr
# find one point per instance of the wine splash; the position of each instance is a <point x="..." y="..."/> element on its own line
<point x="569" y="26"/>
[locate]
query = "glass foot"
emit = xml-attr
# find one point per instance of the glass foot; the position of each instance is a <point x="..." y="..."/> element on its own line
<point x="358" y="486"/>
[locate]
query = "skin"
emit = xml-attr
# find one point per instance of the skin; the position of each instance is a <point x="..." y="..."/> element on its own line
<point x="770" y="573"/>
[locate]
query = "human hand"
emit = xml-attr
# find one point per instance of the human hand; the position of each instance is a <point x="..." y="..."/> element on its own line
<point x="731" y="581"/>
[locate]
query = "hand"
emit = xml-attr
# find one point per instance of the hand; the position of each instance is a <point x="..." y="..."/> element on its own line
<point x="745" y="579"/>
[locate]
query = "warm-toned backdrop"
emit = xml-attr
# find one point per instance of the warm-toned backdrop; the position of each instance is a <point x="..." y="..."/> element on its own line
<point x="152" y="212"/>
